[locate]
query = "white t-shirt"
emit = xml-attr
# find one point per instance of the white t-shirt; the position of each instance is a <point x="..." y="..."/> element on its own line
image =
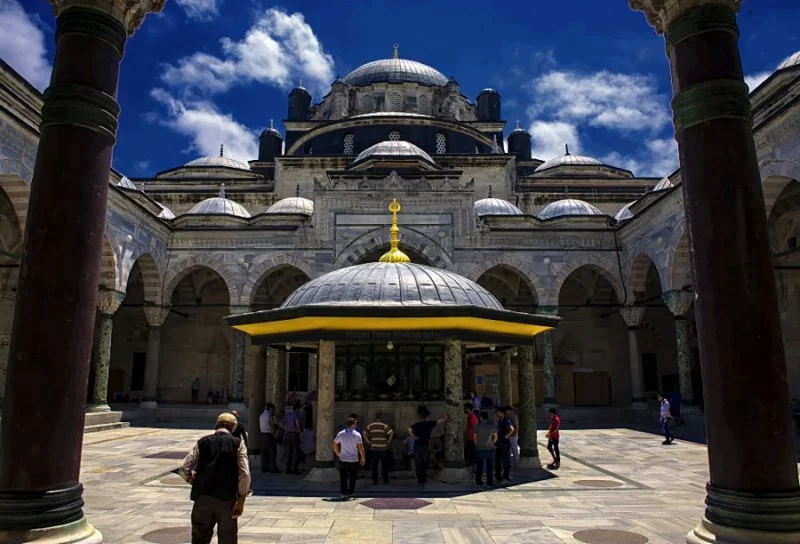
<point x="348" y="439"/>
<point x="265" y="421"/>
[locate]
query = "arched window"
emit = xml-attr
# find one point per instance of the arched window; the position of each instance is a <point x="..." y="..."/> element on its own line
<point x="347" y="148"/>
<point x="441" y="143"/>
<point x="394" y="135"/>
<point x="423" y="105"/>
<point x="395" y="102"/>
<point x="367" y="105"/>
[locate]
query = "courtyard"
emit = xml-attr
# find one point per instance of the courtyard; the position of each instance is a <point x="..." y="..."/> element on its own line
<point x="611" y="479"/>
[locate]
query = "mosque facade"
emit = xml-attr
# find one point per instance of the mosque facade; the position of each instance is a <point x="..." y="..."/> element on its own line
<point x="590" y="243"/>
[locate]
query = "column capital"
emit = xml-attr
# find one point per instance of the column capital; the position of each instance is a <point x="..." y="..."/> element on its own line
<point x="679" y="302"/>
<point x="239" y="309"/>
<point x="547" y="310"/>
<point x="108" y="302"/>
<point x="661" y="13"/>
<point x="632" y="315"/>
<point x="130" y="13"/>
<point x="156" y="315"/>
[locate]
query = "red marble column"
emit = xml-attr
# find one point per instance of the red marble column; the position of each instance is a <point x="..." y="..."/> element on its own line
<point x="43" y="413"/>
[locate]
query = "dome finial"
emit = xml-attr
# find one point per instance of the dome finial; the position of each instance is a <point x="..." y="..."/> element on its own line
<point x="394" y="255"/>
<point x="566" y="146"/>
<point x="222" y="189"/>
<point x="297" y="190"/>
<point x="517" y="124"/>
<point x="490" y="191"/>
<point x="495" y="145"/>
<point x="270" y="124"/>
<point x="221" y="150"/>
<point x="396" y="51"/>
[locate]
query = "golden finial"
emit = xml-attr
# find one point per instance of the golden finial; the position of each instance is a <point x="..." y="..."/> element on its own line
<point x="394" y="255"/>
<point x="396" y="51"/>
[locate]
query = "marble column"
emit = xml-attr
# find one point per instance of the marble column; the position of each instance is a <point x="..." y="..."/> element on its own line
<point x="454" y="467"/>
<point x="107" y="304"/>
<point x="528" y="447"/>
<point x="753" y="495"/>
<point x="156" y="316"/>
<point x="258" y="392"/>
<point x="279" y="382"/>
<point x="680" y="303"/>
<point x="633" y="316"/>
<point x="236" y="396"/>
<point x="48" y="365"/>
<point x="506" y="381"/>
<point x="324" y="470"/>
<point x="549" y="363"/>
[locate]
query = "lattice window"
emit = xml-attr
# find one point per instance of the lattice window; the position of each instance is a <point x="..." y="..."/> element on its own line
<point x="394" y="135"/>
<point x="395" y="102"/>
<point x="441" y="143"/>
<point x="367" y="104"/>
<point x="424" y="105"/>
<point x="348" y="144"/>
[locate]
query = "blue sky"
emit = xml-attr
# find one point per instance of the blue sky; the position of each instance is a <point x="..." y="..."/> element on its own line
<point x="590" y="73"/>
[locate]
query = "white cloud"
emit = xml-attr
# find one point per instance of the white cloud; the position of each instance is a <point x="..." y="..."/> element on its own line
<point x="624" y="102"/>
<point x="142" y="166"/>
<point x="207" y="127"/>
<point x="202" y="10"/>
<point x="279" y="49"/>
<point x="659" y="159"/>
<point x="754" y="80"/>
<point x="549" y="138"/>
<point x="22" y="44"/>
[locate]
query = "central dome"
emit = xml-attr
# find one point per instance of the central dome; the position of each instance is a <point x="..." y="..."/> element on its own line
<point x="396" y="284"/>
<point x="395" y="71"/>
<point x="393" y="148"/>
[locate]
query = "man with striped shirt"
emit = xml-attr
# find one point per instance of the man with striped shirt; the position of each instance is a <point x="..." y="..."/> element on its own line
<point x="379" y="435"/>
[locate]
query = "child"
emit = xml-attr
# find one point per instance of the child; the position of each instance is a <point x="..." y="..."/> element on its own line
<point x="552" y="439"/>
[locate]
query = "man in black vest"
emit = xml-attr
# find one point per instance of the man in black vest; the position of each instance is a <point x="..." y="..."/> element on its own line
<point x="219" y="472"/>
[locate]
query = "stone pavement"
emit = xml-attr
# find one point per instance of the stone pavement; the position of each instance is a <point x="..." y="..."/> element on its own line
<point x="611" y="479"/>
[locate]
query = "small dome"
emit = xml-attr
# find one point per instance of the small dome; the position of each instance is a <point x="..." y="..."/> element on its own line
<point x="519" y="130"/>
<point x="222" y="160"/>
<point x="568" y="160"/>
<point x="393" y="148"/>
<point x="219" y="205"/>
<point x="664" y="184"/>
<point x="295" y="204"/>
<point x="379" y="284"/>
<point x="495" y="206"/>
<point x="625" y="212"/>
<point x="166" y="213"/>
<point x="568" y="206"/>
<point x="791" y="60"/>
<point x="395" y="70"/>
<point x="125" y="183"/>
<point x="488" y="90"/>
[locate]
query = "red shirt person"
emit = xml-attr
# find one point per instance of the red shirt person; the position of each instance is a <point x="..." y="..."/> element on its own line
<point x="469" y="434"/>
<point x="553" y="436"/>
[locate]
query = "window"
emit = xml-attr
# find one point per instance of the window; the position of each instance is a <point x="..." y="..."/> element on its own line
<point x="650" y="371"/>
<point x="137" y="373"/>
<point x="347" y="148"/>
<point x="395" y="102"/>
<point x="367" y="105"/>
<point x="394" y="135"/>
<point x="298" y="372"/>
<point x="793" y="242"/>
<point x="441" y="143"/>
<point x="424" y="105"/>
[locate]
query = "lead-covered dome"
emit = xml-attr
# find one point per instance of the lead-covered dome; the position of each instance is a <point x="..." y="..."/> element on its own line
<point x="791" y="60"/>
<point x="165" y="212"/>
<point x="495" y="206"/>
<point x="125" y="183"/>
<point x="395" y="70"/>
<point x="568" y="206"/>
<point x="568" y="160"/>
<point x="625" y="212"/>
<point x="395" y="284"/>
<point x="664" y="184"/>
<point x="294" y="204"/>
<point x="393" y="148"/>
<point x="222" y="160"/>
<point x="219" y="205"/>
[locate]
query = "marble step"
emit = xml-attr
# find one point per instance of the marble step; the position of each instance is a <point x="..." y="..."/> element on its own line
<point x="105" y="427"/>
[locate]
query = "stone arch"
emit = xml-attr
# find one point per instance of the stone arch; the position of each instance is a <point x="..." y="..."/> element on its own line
<point x="151" y="277"/>
<point x="525" y="270"/>
<point x="679" y="262"/>
<point x="180" y="269"/>
<point x="602" y="266"/>
<point x="108" y="266"/>
<point x="379" y="237"/>
<point x="265" y="268"/>
<point x="775" y="176"/>
<point x="638" y="273"/>
<point x="18" y="193"/>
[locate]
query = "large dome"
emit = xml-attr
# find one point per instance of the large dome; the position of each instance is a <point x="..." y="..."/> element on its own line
<point x="227" y="162"/>
<point x="395" y="71"/>
<point x="568" y="206"/>
<point x="393" y="284"/>
<point x="568" y="160"/>
<point x="393" y="148"/>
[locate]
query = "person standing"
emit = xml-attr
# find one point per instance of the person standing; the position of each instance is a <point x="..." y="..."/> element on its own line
<point x="664" y="416"/>
<point x="239" y="432"/>
<point x="421" y="433"/>
<point x="195" y="390"/>
<point x="269" y="448"/>
<point x="379" y="436"/>
<point x="514" y="438"/>
<point x="502" y="459"/>
<point x="349" y="448"/>
<point x="218" y="470"/>
<point x="485" y="438"/>
<point x="476" y="403"/>
<point x="292" y="427"/>
<point x="553" y="435"/>
<point x="469" y="434"/>
<point x="675" y="400"/>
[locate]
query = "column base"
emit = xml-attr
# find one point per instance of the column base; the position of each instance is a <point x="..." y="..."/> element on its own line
<point x="236" y="405"/>
<point x="450" y="475"/>
<point x="530" y="462"/>
<point x="707" y="532"/>
<point x="148" y="404"/>
<point x="77" y="532"/>
<point x="94" y="408"/>
<point x="322" y="475"/>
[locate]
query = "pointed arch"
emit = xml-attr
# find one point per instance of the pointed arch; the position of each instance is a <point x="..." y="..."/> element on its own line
<point x="638" y="275"/>
<point x="151" y="277"/>
<point x="183" y="267"/>
<point x="379" y="237"/>
<point x="18" y="193"/>
<point x="523" y="269"/>
<point x="679" y="262"/>
<point x="606" y="268"/>
<point x="775" y="176"/>
<point x="266" y="267"/>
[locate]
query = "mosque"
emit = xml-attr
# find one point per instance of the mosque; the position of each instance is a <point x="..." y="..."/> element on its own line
<point x="596" y="257"/>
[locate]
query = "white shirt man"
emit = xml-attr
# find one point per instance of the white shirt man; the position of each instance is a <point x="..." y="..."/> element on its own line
<point x="269" y="447"/>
